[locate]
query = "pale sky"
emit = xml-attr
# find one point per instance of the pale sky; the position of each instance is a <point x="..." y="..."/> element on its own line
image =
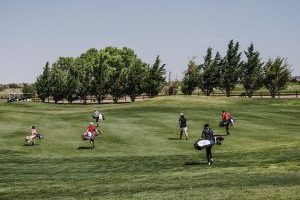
<point x="33" y="32"/>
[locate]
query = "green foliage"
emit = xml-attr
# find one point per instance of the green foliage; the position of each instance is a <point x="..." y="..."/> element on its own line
<point x="276" y="75"/>
<point x="88" y="77"/>
<point x="102" y="75"/>
<point x="72" y="83"/>
<point x="118" y="60"/>
<point x="29" y="89"/>
<point x="57" y="83"/>
<point x="210" y="72"/>
<point x="42" y="84"/>
<point x="112" y="70"/>
<point x="191" y="78"/>
<point x="13" y="85"/>
<point x="172" y="88"/>
<point x="230" y="68"/>
<point x="156" y="78"/>
<point x="136" y="78"/>
<point x="251" y="72"/>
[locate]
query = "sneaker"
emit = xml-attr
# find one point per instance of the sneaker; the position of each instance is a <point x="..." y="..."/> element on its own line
<point x="211" y="161"/>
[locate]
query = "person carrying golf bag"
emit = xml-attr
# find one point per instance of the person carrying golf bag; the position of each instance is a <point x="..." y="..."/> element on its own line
<point x="226" y="120"/>
<point x="208" y="134"/>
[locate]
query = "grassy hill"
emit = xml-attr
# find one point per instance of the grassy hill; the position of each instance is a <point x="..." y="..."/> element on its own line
<point x="140" y="157"/>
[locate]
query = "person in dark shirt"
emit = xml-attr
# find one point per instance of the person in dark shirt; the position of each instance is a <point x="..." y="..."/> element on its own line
<point x="208" y="134"/>
<point x="183" y="126"/>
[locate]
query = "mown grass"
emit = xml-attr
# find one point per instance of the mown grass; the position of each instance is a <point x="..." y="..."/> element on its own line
<point x="139" y="156"/>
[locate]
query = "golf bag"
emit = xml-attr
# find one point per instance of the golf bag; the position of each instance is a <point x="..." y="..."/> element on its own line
<point x="31" y="140"/>
<point x="88" y="136"/>
<point x="91" y="137"/>
<point x="218" y="140"/>
<point x="225" y="123"/>
<point x="202" y="144"/>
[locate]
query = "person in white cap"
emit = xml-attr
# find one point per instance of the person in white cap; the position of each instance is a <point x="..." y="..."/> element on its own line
<point x="183" y="126"/>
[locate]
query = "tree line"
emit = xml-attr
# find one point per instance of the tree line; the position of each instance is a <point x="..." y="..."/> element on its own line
<point x="119" y="72"/>
<point x="228" y="71"/>
<point x="109" y="71"/>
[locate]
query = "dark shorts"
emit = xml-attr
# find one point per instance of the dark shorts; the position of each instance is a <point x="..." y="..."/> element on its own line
<point x="97" y="119"/>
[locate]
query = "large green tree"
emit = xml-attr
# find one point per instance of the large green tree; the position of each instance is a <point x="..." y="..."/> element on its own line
<point x="57" y="83"/>
<point x="112" y="70"/>
<point x="119" y="61"/>
<point x="136" y="78"/>
<point x="251" y="71"/>
<point x="191" y="78"/>
<point x="230" y="68"/>
<point x="42" y="85"/>
<point x="102" y="72"/>
<point x="277" y="74"/>
<point x="210" y="73"/>
<point x="68" y="65"/>
<point x="156" y="78"/>
<point x="88" y="82"/>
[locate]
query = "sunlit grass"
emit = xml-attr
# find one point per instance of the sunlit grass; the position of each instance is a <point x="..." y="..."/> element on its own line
<point x="139" y="155"/>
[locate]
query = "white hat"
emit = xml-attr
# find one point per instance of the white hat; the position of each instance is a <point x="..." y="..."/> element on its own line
<point x="181" y="114"/>
<point x="91" y="123"/>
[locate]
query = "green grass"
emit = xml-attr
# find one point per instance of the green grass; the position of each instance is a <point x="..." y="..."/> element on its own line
<point x="139" y="156"/>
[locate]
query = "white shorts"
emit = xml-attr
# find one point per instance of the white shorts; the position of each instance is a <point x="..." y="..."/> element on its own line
<point x="183" y="129"/>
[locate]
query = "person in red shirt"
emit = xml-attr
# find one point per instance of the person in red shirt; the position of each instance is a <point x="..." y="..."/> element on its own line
<point x="91" y="133"/>
<point x="226" y="119"/>
<point x="92" y="130"/>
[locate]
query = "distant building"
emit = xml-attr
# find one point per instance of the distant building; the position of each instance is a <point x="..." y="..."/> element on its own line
<point x="4" y="86"/>
<point x="295" y="79"/>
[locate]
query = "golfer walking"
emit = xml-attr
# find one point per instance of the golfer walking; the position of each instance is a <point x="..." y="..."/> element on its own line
<point x="208" y="134"/>
<point x="183" y="126"/>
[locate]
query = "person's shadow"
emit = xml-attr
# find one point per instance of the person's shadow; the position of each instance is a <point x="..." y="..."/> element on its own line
<point x="174" y="139"/>
<point x="83" y="148"/>
<point x="36" y="144"/>
<point x="195" y="163"/>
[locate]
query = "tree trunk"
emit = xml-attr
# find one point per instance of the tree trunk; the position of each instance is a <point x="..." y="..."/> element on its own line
<point x="115" y="99"/>
<point x="227" y="92"/>
<point x="249" y="94"/>
<point x="132" y="98"/>
<point x="207" y="92"/>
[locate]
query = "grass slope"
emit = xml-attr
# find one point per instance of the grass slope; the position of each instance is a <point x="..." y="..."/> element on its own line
<point x="140" y="157"/>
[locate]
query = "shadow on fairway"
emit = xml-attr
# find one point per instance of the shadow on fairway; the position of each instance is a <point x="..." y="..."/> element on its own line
<point x="30" y="145"/>
<point x="195" y="163"/>
<point x="82" y="148"/>
<point x="174" y="139"/>
<point x="220" y="135"/>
